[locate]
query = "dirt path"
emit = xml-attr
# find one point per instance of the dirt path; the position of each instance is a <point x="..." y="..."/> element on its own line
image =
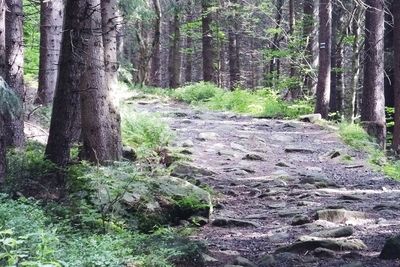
<point x="272" y="177"/>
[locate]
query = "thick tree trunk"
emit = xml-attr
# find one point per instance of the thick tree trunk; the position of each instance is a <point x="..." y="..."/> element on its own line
<point x="65" y="119"/>
<point x="396" y="44"/>
<point x="207" y="41"/>
<point x="14" y="127"/>
<point x="373" y="101"/>
<point x="2" y="39"/>
<point x="51" y="20"/>
<point x="110" y="22"/>
<point x="99" y="129"/>
<point x="324" y="71"/>
<point x="174" y="66"/>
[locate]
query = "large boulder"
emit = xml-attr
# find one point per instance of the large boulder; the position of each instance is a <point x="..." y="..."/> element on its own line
<point x="311" y="243"/>
<point x="391" y="250"/>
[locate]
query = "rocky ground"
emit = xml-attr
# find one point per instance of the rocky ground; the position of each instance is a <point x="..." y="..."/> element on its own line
<point x="287" y="193"/>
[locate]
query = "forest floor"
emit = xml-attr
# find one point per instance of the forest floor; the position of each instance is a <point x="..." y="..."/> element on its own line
<point x="277" y="183"/>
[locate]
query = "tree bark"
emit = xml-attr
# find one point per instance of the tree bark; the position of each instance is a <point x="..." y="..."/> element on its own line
<point x="14" y="127"/>
<point x="2" y="39"/>
<point x="396" y="44"/>
<point x="207" y="41"/>
<point x="174" y="52"/>
<point x="51" y="20"/>
<point x="274" y="65"/>
<point x="373" y="101"/>
<point x="324" y="71"/>
<point x="234" y="49"/>
<point x="311" y="55"/>
<point x="2" y="152"/>
<point x="155" y="58"/>
<point x="65" y="119"/>
<point x="100" y="131"/>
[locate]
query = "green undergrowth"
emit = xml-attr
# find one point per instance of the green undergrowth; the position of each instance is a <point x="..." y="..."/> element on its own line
<point x="259" y="103"/>
<point x="355" y="136"/>
<point x="116" y="215"/>
<point x="146" y="133"/>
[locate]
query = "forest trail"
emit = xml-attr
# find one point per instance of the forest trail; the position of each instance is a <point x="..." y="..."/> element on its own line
<point x="272" y="178"/>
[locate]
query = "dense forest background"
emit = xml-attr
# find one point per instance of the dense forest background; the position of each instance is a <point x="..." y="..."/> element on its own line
<point x="82" y="169"/>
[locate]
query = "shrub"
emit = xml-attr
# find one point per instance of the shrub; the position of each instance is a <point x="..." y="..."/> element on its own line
<point x="199" y="92"/>
<point x="146" y="133"/>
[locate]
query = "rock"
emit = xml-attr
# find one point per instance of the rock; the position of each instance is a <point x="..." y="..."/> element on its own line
<point x="335" y="233"/>
<point x="283" y="164"/>
<point x="300" y="219"/>
<point x="267" y="261"/>
<point x="229" y="222"/>
<point x="188" y="143"/>
<point x="299" y="150"/>
<point x="185" y="170"/>
<point x="350" y="198"/>
<point x="231" y="265"/>
<point x="387" y="206"/>
<point x="280" y="205"/>
<point x="208" y="258"/>
<point x="198" y="220"/>
<point x="243" y="262"/>
<point x="353" y="264"/>
<point x="334" y="154"/>
<point x="324" y="253"/>
<point x="252" y="156"/>
<point x="333" y="244"/>
<point x="311" y="118"/>
<point x="207" y="136"/>
<point x="391" y="250"/>
<point x="129" y="153"/>
<point x="186" y="152"/>
<point x="339" y="215"/>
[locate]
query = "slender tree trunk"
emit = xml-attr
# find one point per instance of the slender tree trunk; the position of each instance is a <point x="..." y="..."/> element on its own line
<point x="189" y="59"/>
<point x="311" y="55"/>
<point x="324" y="72"/>
<point x="2" y="152"/>
<point x="234" y="49"/>
<point x="396" y="44"/>
<point x="274" y="65"/>
<point x="98" y="121"/>
<point x="373" y="101"/>
<point x="155" y="58"/>
<point x="51" y="20"/>
<point x="14" y="127"/>
<point x="351" y="91"/>
<point x="174" y="54"/>
<point x="65" y="119"/>
<point x="207" y="41"/>
<point x="2" y="39"/>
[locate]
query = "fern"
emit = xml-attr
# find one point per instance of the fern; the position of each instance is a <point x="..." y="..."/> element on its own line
<point x="10" y="104"/>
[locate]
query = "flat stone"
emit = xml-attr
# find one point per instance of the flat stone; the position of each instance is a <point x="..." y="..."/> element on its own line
<point x="339" y="215"/>
<point x="186" y="170"/>
<point x="299" y="150"/>
<point x="353" y="264"/>
<point x="335" y="232"/>
<point x="387" y="206"/>
<point x="328" y="243"/>
<point x="312" y="118"/>
<point x="229" y="222"/>
<point x="188" y="143"/>
<point x="207" y="136"/>
<point x="283" y="164"/>
<point x="350" y="198"/>
<point x="391" y="250"/>
<point x="267" y="261"/>
<point x="254" y="157"/>
<point x="244" y="262"/>
<point x="300" y="219"/>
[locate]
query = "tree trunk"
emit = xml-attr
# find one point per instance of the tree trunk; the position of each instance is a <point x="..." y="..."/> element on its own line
<point x="373" y="101"/>
<point x="234" y="49"/>
<point x="110" y="22"/>
<point x="207" y="40"/>
<point x="2" y="152"/>
<point x="14" y="127"/>
<point x="396" y="44"/>
<point x="311" y="55"/>
<point x="99" y="131"/>
<point x="324" y="71"/>
<point x="274" y="65"/>
<point x="174" y="52"/>
<point x="155" y="57"/>
<point x="65" y="119"/>
<point x="2" y="39"/>
<point x="51" y="20"/>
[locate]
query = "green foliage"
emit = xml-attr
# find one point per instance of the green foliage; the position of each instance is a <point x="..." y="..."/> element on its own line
<point x="27" y="169"/>
<point x="10" y="104"/>
<point x="31" y="38"/>
<point x="146" y="133"/>
<point x="199" y="92"/>
<point x="355" y="136"/>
